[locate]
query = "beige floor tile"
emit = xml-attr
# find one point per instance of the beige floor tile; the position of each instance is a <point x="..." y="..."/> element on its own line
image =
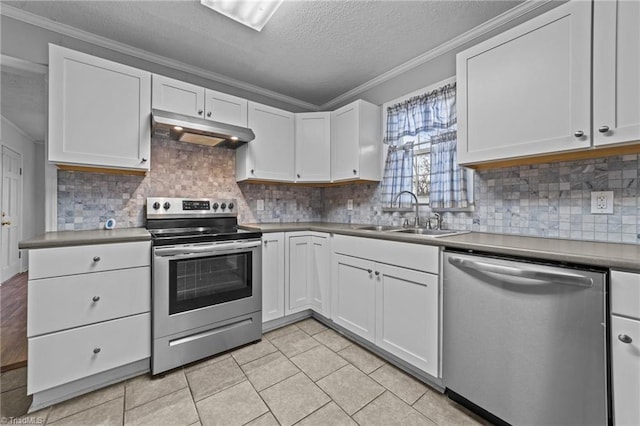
<point x="330" y="414"/>
<point x="282" y="331"/>
<point x="13" y="379"/>
<point x="350" y="388"/>
<point x="388" y="409"/>
<point x="311" y="326"/>
<point x="175" y="409"/>
<point x="332" y="340"/>
<point x="145" y="388"/>
<point x="206" y="362"/>
<point x="107" y="414"/>
<point x="236" y="405"/>
<point x="294" y="343"/>
<point x="293" y="399"/>
<point x="86" y="401"/>
<point x="253" y="351"/>
<point x="319" y="362"/>
<point x="266" y="419"/>
<point x="361" y="358"/>
<point x="443" y="412"/>
<point x="14" y="403"/>
<point x="214" y="378"/>
<point x="269" y="370"/>
<point x="401" y="384"/>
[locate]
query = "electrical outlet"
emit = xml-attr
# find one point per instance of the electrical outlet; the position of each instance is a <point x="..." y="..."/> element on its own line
<point x="260" y="206"/>
<point x="349" y="204"/>
<point x="602" y="202"/>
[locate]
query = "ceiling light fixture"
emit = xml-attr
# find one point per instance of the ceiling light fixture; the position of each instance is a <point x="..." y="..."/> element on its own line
<point x="252" y="13"/>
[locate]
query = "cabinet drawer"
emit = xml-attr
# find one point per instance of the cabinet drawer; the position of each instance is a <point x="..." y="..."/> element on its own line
<point x="64" y="302"/>
<point x="625" y="294"/>
<point x="59" y="358"/>
<point x="625" y="360"/>
<point x="54" y="262"/>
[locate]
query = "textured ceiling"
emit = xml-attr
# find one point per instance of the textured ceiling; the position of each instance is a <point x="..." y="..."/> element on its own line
<point x="24" y="101"/>
<point x="310" y="50"/>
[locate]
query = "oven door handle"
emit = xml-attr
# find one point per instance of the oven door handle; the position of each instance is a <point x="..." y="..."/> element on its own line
<point x="211" y="248"/>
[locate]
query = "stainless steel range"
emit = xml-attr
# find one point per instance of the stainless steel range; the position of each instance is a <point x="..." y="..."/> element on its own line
<point x="207" y="284"/>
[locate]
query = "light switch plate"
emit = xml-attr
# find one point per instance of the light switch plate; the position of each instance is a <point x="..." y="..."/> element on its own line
<point x="602" y="202"/>
<point x="349" y="204"/>
<point x="260" y="205"/>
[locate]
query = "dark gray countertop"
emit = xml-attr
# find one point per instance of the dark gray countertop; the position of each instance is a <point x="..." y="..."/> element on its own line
<point x="608" y="255"/>
<point x="79" y="238"/>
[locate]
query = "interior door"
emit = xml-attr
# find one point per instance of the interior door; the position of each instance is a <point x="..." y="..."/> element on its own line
<point x="11" y="212"/>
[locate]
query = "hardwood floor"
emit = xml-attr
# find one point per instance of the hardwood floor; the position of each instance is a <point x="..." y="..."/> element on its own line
<point x="13" y="323"/>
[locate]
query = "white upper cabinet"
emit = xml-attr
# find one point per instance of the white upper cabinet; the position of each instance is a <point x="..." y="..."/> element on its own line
<point x="616" y="72"/>
<point x="526" y="92"/>
<point x="356" y="142"/>
<point x="195" y="101"/>
<point x="99" y="112"/>
<point x="270" y="155"/>
<point x="313" y="147"/>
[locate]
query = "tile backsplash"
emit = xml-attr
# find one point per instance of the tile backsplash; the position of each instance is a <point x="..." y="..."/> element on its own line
<point x="548" y="200"/>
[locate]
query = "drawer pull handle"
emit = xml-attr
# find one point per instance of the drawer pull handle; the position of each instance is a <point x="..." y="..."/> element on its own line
<point x="96" y="258"/>
<point x="96" y="350"/>
<point x="624" y="338"/>
<point x="95" y="298"/>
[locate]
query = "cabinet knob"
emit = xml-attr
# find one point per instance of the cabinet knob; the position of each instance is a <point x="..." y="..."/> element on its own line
<point x="95" y="298"/>
<point x="96" y="350"/>
<point x="624" y="338"/>
<point x="355" y="172"/>
<point x="369" y="270"/>
<point x="377" y="272"/>
<point x="298" y="175"/>
<point x="96" y="258"/>
<point x="209" y="114"/>
<point x="200" y="112"/>
<point x="265" y="242"/>
<point x="6" y="223"/>
<point x="578" y="134"/>
<point x="252" y="171"/>
<point x="603" y="129"/>
<point x="144" y="160"/>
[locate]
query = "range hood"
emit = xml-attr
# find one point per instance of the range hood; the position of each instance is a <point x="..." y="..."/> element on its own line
<point x="184" y="128"/>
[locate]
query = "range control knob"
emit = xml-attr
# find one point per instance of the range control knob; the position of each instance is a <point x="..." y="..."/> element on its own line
<point x="166" y="205"/>
<point x="156" y="205"/>
<point x="223" y="206"/>
<point x="230" y="206"/>
<point x="215" y="206"/>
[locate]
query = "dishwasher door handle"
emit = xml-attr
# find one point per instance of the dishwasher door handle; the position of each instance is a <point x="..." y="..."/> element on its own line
<point x="553" y="277"/>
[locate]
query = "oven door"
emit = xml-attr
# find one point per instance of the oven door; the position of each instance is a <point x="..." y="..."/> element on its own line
<point x="195" y="285"/>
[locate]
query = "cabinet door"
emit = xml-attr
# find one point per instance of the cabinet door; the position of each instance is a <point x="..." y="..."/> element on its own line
<point x="313" y="147"/>
<point x="272" y="276"/>
<point x="625" y="359"/>
<point x="407" y="315"/>
<point x="319" y="275"/>
<point x="299" y="260"/>
<point x="616" y="72"/>
<point x="225" y="108"/>
<point x="99" y="112"/>
<point x="345" y="123"/>
<point x="353" y="295"/>
<point x="177" y="96"/>
<point x="272" y="150"/>
<point x="527" y="91"/>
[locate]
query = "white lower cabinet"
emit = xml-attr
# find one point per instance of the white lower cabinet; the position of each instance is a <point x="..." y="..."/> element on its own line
<point x="272" y="276"/>
<point x="354" y="295"/>
<point x="388" y="293"/>
<point x="407" y="315"/>
<point x="625" y="347"/>
<point x="307" y="277"/>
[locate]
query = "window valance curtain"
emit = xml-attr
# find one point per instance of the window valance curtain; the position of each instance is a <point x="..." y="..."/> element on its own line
<point x="429" y="113"/>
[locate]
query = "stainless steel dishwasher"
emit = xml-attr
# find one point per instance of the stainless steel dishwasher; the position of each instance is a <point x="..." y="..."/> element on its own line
<point x="524" y="341"/>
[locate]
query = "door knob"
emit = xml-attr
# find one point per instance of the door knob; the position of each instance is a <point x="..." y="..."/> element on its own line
<point x="7" y="223"/>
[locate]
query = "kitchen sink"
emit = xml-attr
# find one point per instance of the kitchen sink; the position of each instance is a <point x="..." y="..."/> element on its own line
<point x="379" y="228"/>
<point x="430" y="232"/>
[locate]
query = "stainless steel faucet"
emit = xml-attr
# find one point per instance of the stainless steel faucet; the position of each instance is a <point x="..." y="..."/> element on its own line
<point x="438" y="220"/>
<point x="416" y="222"/>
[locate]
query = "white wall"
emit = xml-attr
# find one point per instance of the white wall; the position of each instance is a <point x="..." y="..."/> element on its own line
<point x="32" y="222"/>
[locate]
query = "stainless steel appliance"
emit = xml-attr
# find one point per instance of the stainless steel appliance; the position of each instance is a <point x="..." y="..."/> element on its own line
<point x="207" y="284"/>
<point x="524" y="341"/>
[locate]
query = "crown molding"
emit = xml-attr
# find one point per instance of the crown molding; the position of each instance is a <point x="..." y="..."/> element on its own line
<point x="454" y="43"/>
<point x="22" y="65"/>
<point x="69" y="31"/>
<point x="6" y="121"/>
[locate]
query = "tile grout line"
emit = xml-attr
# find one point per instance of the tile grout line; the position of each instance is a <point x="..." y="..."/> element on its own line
<point x="193" y="400"/>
